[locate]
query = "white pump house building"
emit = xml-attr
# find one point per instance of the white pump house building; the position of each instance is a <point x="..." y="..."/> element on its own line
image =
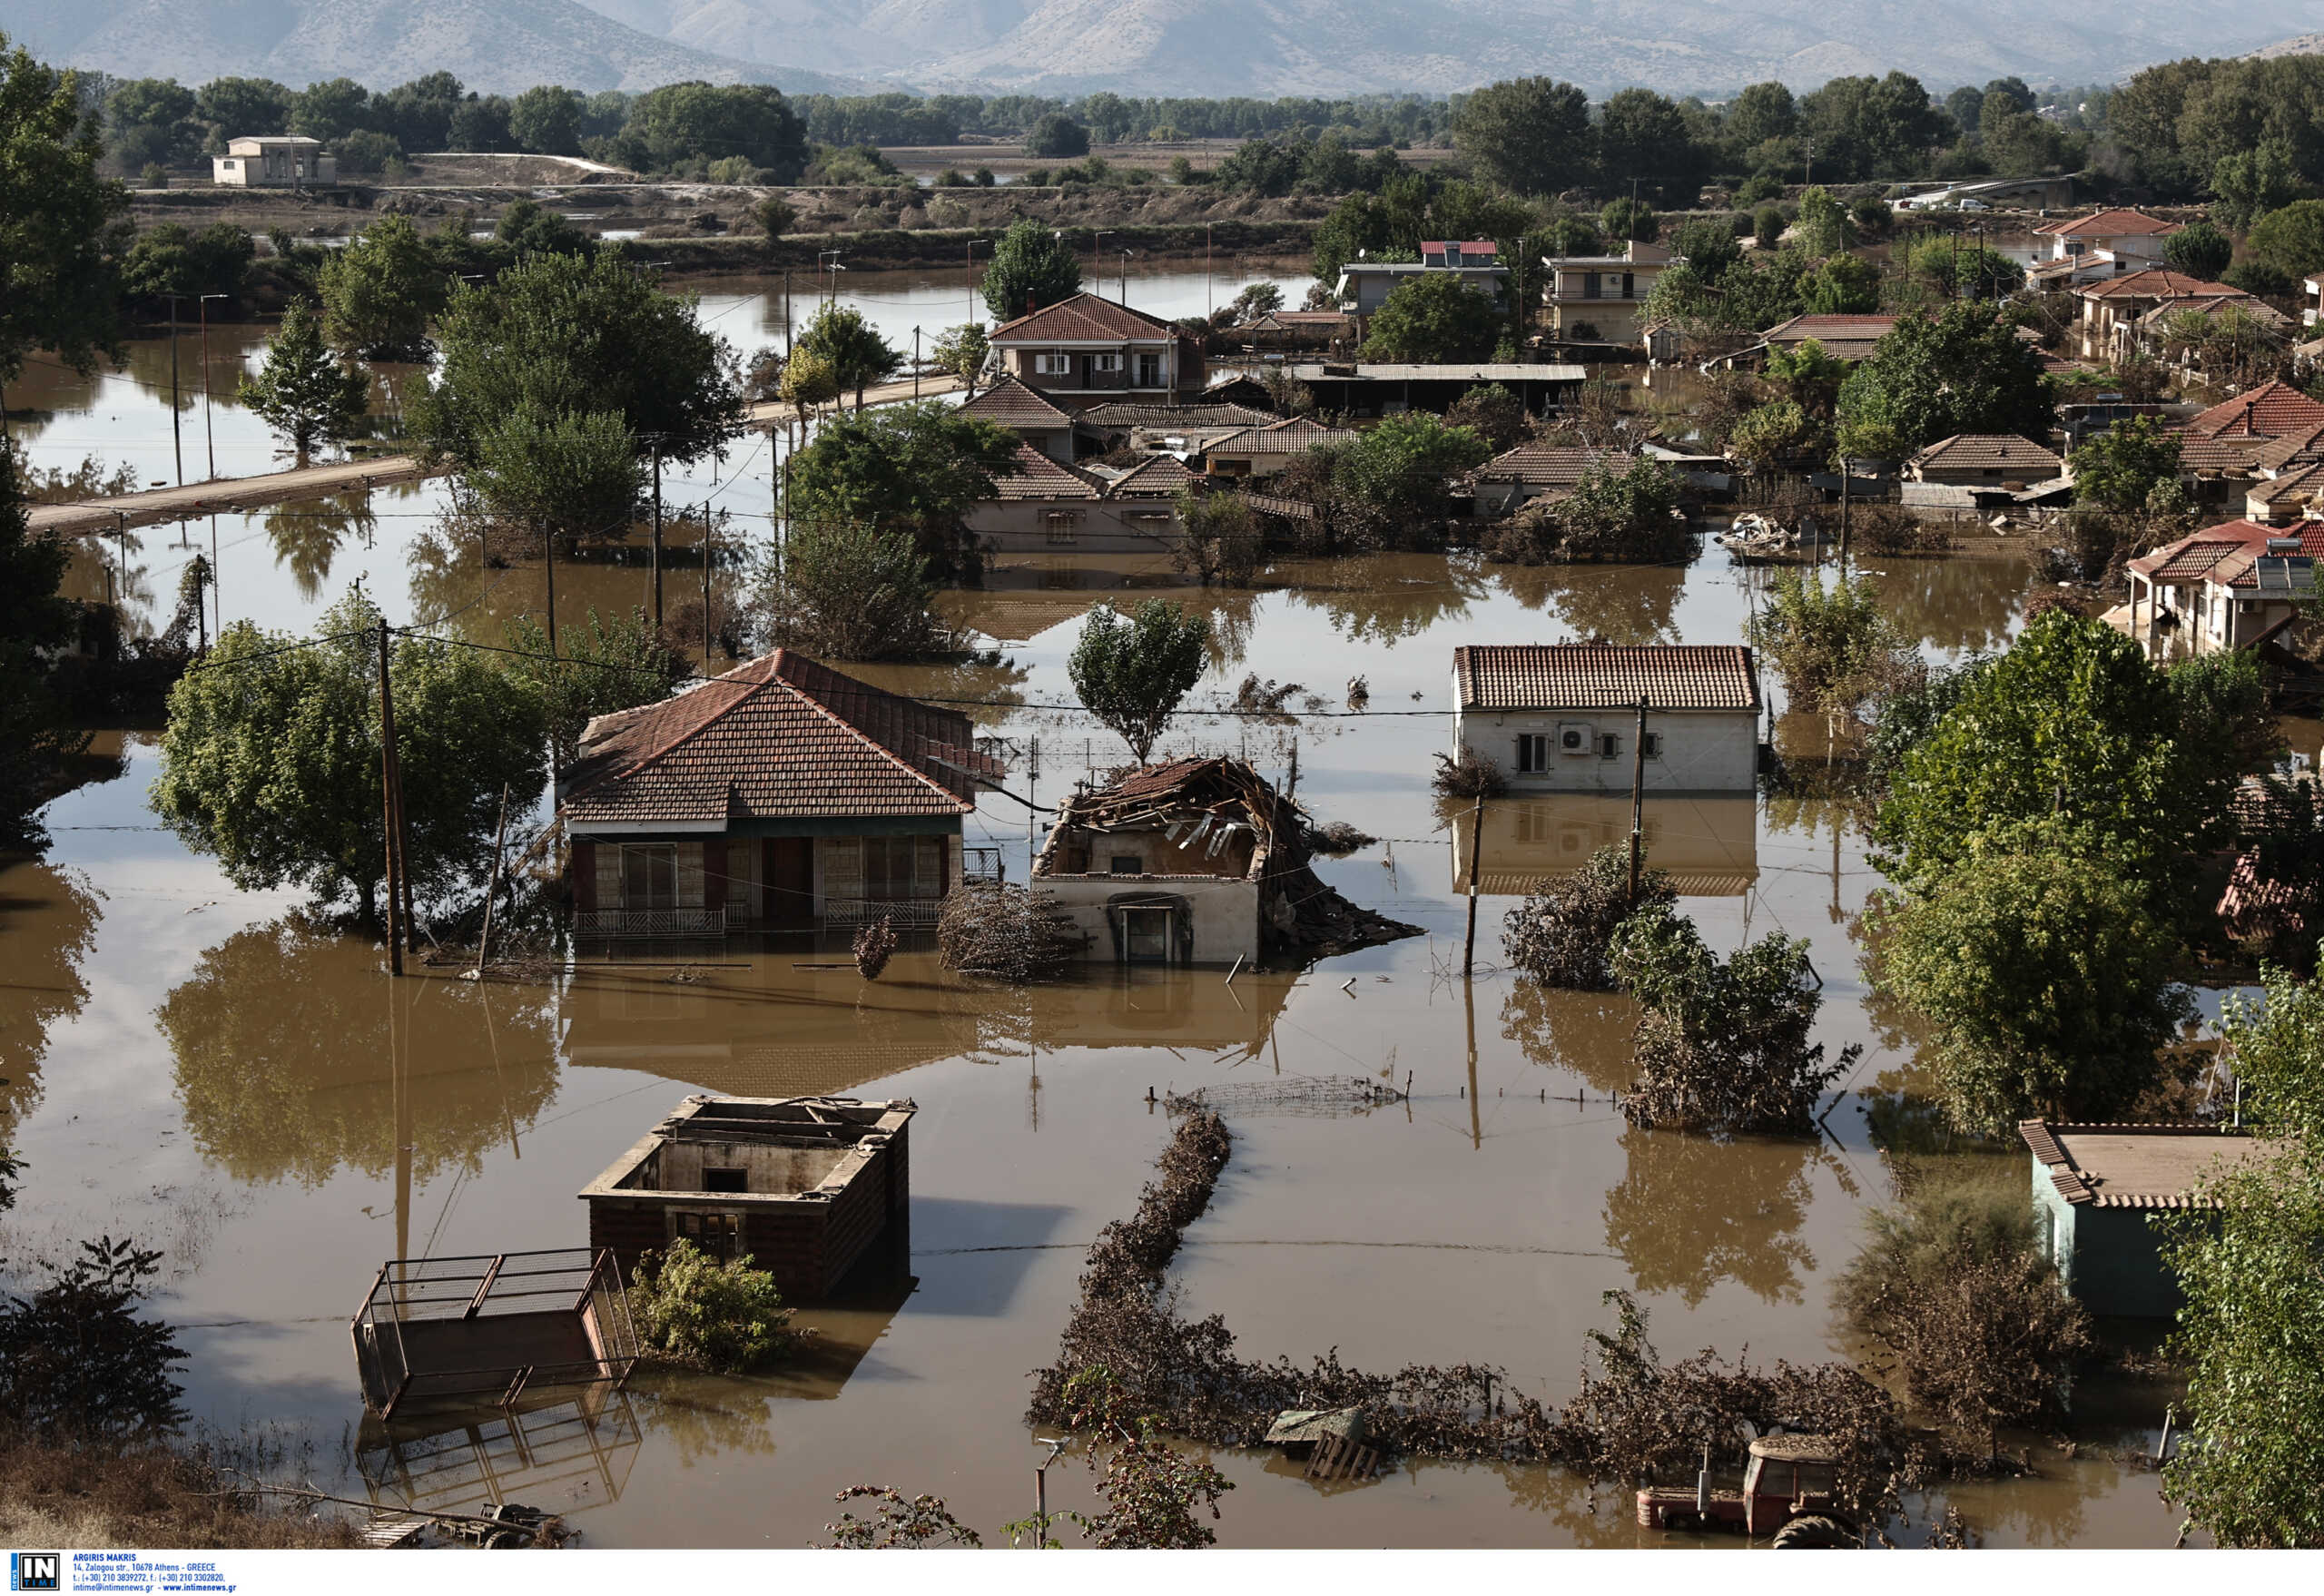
<point x="1563" y="717"/>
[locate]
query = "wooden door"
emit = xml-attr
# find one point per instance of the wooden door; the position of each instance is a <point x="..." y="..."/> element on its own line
<point x="791" y="881"/>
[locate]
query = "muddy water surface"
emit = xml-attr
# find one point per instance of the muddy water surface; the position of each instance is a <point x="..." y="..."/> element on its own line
<point x="206" y="1070"/>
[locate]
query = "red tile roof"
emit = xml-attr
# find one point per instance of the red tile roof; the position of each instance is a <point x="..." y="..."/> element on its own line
<point x="2272" y="409"/>
<point x="2156" y="283"/>
<point x="1163" y="476"/>
<point x="780" y="736"/>
<point x="1802" y="328"/>
<point x="1280" y="438"/>
<point x="1038" y="477"/>
<point x="1550" y="465"/>
<point x="1596" y="675"/>
<point x="1084" y="319"/>
<point x="2116" y="223"/>
<point x="1009" y="403"/>
<point x="1979" y="451"/>
<point x="2222" y="552"/>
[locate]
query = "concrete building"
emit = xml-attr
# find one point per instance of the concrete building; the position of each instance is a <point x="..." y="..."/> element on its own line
<point x="1009" y="403"/>
<point x="1086" y="350"/>
<point x="1044" y="508"/>
<point x="1365" y="285"/>
<point x="1562" y="717"/>
<point x="2094" y="1187"/>
<point x="2225" y="588"/>
<point x="1262" y="451"/>
<point x="2114" y="309"/>
<point x="1599" y="299"/>
<point x="281" y="161"/>
<point x="2094" y="248"/>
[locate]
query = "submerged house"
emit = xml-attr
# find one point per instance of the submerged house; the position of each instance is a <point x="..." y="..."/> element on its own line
<point x="780" y="796"/>
<point x="2229" y="587"/>
<point x="1086" y="350"/>
<point x="1194" y="862"/>
<point x="805" y="1187"/>
<point x="1562" y="717"/>
<point x="2094" y="1189"/>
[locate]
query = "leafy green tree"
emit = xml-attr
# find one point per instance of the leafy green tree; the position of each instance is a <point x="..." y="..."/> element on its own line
<point x="775" y="217"/>
<point x="910" y="467"/>
<point x="1642" y="134"/>
<point x="1957" y="268"/>
<point x="36" y="626"/>
<point x="1824" y="227"/>
<point x="1056" y="137"/>
<point x="149" y="120"/>
<point x="330" y="109"/>
<point x="1964" y="369"/>
<point x="2199" y="250"/>
<point x="574" y="335"/>
<point x="1841" y="285"/>
<point x="419" y="114"/>
<point x="1835" y="645"/>
<point x="363" y="153"/>
<point x="1771" y="435"/>
<point x="576" y="475"/>
<point x="1767" y="225"/>
<point x="1030" y="267"/>
<point x="859" y="356"/>
<point x="527" y="227"/>
<point x="1630" y="219"/>
<point x="2069" y="742"/>
<point x="1872" y="127"/>
<point x="1760" y="112"/>
<point x="1529" y="134"/>
<point x="1808" y="375"/>
<point x="271" y="766"/>
<point x="301" y="391"/>
<point x="240" y="107"/>
<point x="720" y="1317"/>
<point x="173" y="259"/>
<point x="1132" y="673"/>
<point x="1431" y="316"/>
<point x="2252" y="183"/>
<point x="546" y="118"/>
<point x="57" y="221"/>
<point x="963" y="351"/>
<point x="851" y="590"/>
<point x="2047" y="979"/>
<point x="2291" y="238"/>
<point x="1707" y="244"/>
<point x="1396" y="473"/>
<point x="1495" y="415"/>
<point x="707" y="121"/>
<point x="2120" y="469"/>
<point x="599" y="667"/>
<point x="380" y="292"/>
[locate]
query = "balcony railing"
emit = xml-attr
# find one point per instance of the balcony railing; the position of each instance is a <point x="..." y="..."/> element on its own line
<point x="650" y="922"/>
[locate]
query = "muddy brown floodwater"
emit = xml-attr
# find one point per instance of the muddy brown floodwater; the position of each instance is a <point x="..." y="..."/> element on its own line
<point x="204" y="1069"/>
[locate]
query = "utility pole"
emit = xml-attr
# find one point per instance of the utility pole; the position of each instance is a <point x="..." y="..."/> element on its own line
<point x="705" y="584"/>
<point x="387" y="817"/>
<point x="492" y="889"/>
<point x="548" y="550"/>
<point x="656" y="556"/>
<point x="915" y="362"/>
<point x="1844" y="518"/>
<point x="209" y="439"/>
<point x="1638" y="800"/>
<point x="1124" y="292"/>
<point x="177" y="439"/>
<point x="1209" y="309"/>
<point x="1476" y="848"/>
<point x="970" y="257"/>
<point x="787" y="312"/>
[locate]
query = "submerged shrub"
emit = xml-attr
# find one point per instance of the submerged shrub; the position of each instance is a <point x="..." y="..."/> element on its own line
<point x="1560" y="935"/>
<point x="1464" y="774"/>
<point x="692" y="1309"/>
<point x="77" y="1362"/>
<point x="1007" y="932"/>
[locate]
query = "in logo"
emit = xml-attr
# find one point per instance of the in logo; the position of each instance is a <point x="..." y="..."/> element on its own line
<point x="35" y="1571"/>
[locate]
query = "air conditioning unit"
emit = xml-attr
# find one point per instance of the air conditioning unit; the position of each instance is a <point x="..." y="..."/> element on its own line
<point x="1574" y="737"/>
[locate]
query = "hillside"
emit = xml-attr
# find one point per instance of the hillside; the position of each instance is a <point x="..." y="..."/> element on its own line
<point x="496" y="46"/>
<point x="2305" y="45"/>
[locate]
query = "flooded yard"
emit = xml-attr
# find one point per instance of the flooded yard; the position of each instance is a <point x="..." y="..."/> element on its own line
<point x="206" y="1071"/>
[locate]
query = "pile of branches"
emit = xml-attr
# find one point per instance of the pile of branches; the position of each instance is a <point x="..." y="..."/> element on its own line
<point x="1634" y="1420"/>
<point x="1560" y="935"/>
<point x="1007" y="931"/>
<point x="1464" y="774"/>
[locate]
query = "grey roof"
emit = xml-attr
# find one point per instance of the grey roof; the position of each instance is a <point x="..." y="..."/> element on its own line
<point x="1480" y="372"/>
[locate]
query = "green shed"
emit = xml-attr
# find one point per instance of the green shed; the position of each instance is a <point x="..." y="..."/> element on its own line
<point x="2096" y="1186"/>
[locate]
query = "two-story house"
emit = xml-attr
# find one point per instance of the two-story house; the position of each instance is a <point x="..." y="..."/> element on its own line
<point x="1596" y="299"/>
<point x="2091" y="249"/>
<point x="1364" y="284"/>
<point x="2225" y="588"/>
<point x="1086" y="350"/>
<point x="2111" y="309"/>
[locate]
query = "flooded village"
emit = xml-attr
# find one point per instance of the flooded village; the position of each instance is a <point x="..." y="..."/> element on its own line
<point x="1422" y="809"/>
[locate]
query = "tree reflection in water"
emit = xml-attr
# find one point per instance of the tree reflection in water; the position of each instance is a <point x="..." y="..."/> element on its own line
<point x="1691" y="1211"/>
<point x="48" y="925"/>
<point x="283" y="1065"/>
<point x="1959" y="605"/>
<point x="703" y="1417"/>
<point x="1385" y="598"/>
<point x="1586" y="1033"/>
<point x="306" y="534"/>
<point x="1627" y="606"/>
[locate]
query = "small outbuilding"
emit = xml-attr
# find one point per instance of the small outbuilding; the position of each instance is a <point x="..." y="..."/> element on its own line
<point x="1563" y="717"/>
<point x="275" y="162"/>
<point x="805" y="1187"/>
<point x="2096" y="1186"/>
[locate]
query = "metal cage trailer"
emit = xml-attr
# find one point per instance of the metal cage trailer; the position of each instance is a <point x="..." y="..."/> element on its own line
<point x="483" y="1331"/>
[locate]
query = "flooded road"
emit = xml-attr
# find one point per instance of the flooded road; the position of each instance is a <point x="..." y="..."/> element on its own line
<point x="206" y="1071"/>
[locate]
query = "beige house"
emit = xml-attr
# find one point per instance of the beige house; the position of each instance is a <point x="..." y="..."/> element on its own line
<point x="1262" y="451"/>
<point x="2225" y="588"/>
<point x="1985" y="460"/>
<point x="1086" y="350"/>
<point x="281" y="161"/>
<point x="1562" y="717"/>
<point x="1508" y="482"/>
<point x="1009" y="403"/>
<point x="1598" y="299"/>
<point x="2092" y="249"/>
<point x="1045" y="508"/>
<point x="2111" y="310"/>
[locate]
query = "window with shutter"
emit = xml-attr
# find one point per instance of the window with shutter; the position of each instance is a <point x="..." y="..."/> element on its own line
<point x="689" y="875"/>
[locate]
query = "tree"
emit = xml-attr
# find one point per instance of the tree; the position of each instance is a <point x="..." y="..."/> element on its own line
<point x="1841" y="285"/>
<point x="527" y="227"/>
<point x="775" y="217"/>
<point x="480" y="124"/>
<point x="914" y="468"/>
<point x="1959" y="269"/>
<point x="859" y="356"/>
<point x="1559" y="936"/>
<point x="149" y="120"/>
<point x="1808" y="375"/>
<point x="2253" y="183"/>
<point x="1964" y="369"/>
<point x="272" y="765"/>
<point x="1495" y="415"/>
<point x="235" y="107"/>
<point x="2199" y="250"/>
<point x="1056" y="137"/>
<point x="691" y="121"/>
<point x="547" y="120"/>
<point x="364" y="152"/>
<point x="1529" y="134"/>
<point x="1433" y="316"/>
<point x="849" y="590"/>
<point x="600" y="667"/>
<point x="1642" y="134"/>
<point x="575" y="336"/>
<point x="172" y="259"/>
<point x="2070" y="743"/>
<point x="301" y="391"/>
<point x="1392" y="479"/>
<point x="1218" y="537"/>
<point x="330" y="109"/>
<point x="1630" y="219"/>
<point x="2047" y="980"/>
<point x="419" y="113"/>
<point x="1771" y="435"/>
<point x="57" y="218"/>
<point x="1131" y="674"/>
<point x="2118" y="469"/>
<point x="1707" y="244"/>
<point x="1032" y="266"/>
<point x="380" y="292"/>
<point x="1760" y="112"/>
<point x="963" y="351"/>
<point x="2291" y="238"/>
<point x="36" y="626"/>
<point x="1824" y="226"/>
<point x="574" y="474"/>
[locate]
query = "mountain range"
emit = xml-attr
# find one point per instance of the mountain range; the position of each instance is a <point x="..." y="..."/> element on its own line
<point x="1144" y="47"/>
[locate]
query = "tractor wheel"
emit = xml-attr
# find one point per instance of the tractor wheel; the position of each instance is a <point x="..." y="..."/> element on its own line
<point x="1811" y="1532"/>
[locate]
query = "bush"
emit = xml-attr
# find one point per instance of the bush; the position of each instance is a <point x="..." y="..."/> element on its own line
<point x="875" y="944"/>
<point x="364" y="152"/>
<point x="848" y="591"/>
<point x="1768" y="224"/>
<point x="1835" y="645"/>
<point x="1560" y="934"/>
<point x="1464" y="774"/>
<point x="724" y="1317"/>
<point x="1007" y="931"/>
<point x="1221" y="542"/>
<point x="1950" y="1283"/>
<point x="78" y="1363"/>
<point x="1891" y="530"/>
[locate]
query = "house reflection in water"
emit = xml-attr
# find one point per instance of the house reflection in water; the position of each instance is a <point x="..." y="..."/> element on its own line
<point x="1709" y="846"/>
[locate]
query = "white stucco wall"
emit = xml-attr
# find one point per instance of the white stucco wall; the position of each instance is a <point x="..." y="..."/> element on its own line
<point x="1703" y="751"/>
<point x="1107" y="526"/>
<point x="1225" y="910"/>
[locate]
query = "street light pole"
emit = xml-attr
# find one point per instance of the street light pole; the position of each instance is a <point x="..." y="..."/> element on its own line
<point x="1124" y="279"/>
<point x="177" y="440"/>
<point x="209" y="438"/>
<point x="970" y="257"/>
